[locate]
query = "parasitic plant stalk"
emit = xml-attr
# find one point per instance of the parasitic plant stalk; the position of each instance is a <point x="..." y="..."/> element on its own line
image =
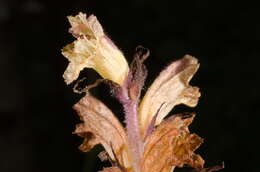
<point x="150" y="142"/>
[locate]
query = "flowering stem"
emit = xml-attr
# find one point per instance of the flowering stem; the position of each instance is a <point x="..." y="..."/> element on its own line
<point x="133" y="131"/>
<point x="128" y="94"/>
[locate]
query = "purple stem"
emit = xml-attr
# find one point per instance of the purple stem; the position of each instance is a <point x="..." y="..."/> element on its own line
<point x="133" y="131"/>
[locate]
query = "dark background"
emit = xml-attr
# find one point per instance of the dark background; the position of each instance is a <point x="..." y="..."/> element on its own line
<point x="36" y="118"/>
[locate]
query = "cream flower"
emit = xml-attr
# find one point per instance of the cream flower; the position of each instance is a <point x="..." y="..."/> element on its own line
<point x="93" y="49"/>
<point x="170" y="88"/>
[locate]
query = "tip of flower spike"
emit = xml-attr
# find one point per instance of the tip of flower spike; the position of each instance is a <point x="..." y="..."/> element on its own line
<point x="93" y="49"/>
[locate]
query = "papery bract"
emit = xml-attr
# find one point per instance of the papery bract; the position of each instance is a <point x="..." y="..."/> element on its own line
<point x="171" y="145"/>
<point x="100" y="126"/>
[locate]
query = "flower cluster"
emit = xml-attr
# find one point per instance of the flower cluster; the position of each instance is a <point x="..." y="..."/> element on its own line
<point x="149" y="142"/>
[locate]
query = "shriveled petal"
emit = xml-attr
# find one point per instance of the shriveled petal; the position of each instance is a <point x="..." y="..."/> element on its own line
<point x="80" y="55"/>
<point x="171" y="145"/>
<point x="183" y="151"/>
<point x="101" y="127"/>
<point x="93" y="49"/>
<point x="81" y="25"/>
<point x="169" y="89"/>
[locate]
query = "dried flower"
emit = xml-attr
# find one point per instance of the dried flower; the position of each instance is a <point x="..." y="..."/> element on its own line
<point x="172" y="88"/>
<point x="149" y="143"/>
<point x="93" y="49"/>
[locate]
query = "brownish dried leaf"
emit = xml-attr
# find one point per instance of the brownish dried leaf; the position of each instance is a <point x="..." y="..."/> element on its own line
<point x="101" y="127"/>
<point x="171" y="145"/>
<point x="170" y="88"/>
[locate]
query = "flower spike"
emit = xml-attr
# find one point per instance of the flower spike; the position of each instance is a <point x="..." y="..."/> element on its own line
<point x="149" y="142"/>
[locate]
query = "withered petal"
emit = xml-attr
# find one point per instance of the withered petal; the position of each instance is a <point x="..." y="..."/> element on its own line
<point x="81" y="25"/>
<point x="171" y="145"/>
<point x="93" y="49"/>
<point x="101" y="127"/>
<point x="138" y="73"/>
<point x="171" y="87"/>
<point x="183" y="151"/>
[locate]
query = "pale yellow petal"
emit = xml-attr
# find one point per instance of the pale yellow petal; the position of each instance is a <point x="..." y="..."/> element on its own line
<point x="109" y="61"/>
<point x="83" y="26"/>
<point x="79" y="54"/>
<point x="93" y="49"/>
<point x="169" y="89"/>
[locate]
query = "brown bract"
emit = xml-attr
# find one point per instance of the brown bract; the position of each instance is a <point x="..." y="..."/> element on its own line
<point x="172" y="145"/>
<point x="169" y="145"/>
<point x="100" y="126"/>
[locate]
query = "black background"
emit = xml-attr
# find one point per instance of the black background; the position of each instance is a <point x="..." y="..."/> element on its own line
<point x="36" y="118"/>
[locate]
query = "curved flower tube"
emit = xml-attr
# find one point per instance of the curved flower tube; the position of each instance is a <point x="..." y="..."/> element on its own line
<point x="93" y="49"/>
